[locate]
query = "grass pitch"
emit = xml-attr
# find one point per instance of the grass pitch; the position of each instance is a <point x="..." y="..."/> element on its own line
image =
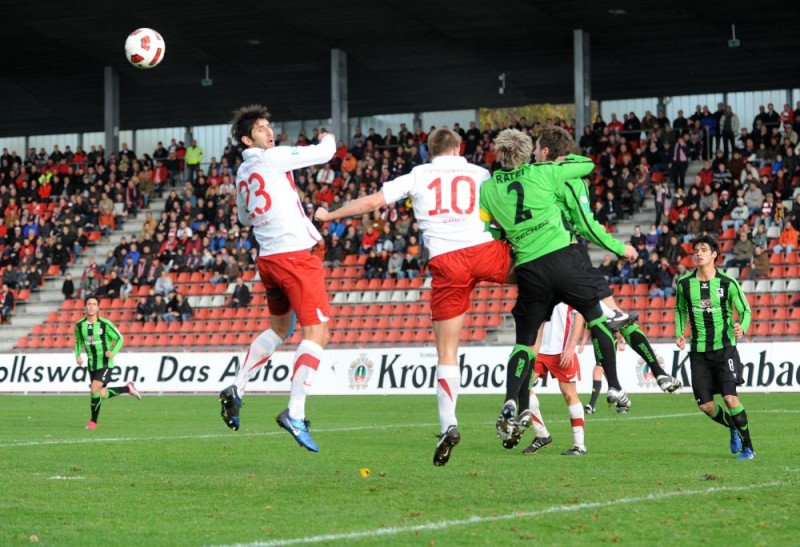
<point x="166" y="471"/>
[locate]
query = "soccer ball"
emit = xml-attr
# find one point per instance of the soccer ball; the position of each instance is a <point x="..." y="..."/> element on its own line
<point x="145" y="48"/>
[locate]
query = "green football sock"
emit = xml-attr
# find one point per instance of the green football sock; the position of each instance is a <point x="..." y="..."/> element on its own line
<point x="739" y="418"/>
<point x="95" y="406"/>
<point x="637" y="340"/>
<point x="721" y="416"/>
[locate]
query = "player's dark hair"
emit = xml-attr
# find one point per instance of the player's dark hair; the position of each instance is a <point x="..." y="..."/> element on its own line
<point x="558" y="141"/>
<point x="91" y="297"/>
<point x="708" y="240"/>
<point x="245" y="118"/>
<point x="441" y="140"/>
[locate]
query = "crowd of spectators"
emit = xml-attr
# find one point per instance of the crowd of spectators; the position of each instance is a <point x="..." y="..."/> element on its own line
<point x="748" y="183"/>
<point x="50" y="202"/>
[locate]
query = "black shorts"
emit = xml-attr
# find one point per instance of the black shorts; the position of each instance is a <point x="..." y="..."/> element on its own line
<point x="561" y="276"/>
<point x="606" y="289"/>
<point x="715" y="372"/>
<point x="101" y="375"/>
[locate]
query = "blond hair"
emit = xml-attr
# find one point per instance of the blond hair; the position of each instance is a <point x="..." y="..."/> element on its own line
<point x="513" y="148"/>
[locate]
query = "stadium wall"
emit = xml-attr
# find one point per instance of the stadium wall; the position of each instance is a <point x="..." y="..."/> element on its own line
<point x="390" y="371"/>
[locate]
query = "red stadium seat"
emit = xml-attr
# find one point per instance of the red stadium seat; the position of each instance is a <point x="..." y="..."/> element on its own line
<point x="763" y="329"/>
<point x="668" y="330"/>
<point x="780" y="299"/>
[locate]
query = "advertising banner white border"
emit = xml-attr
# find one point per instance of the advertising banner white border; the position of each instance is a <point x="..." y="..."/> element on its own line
<point x="373" y="371"/>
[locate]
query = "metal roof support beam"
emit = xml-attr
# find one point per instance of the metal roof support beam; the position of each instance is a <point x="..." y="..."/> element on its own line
<point x="111" y="109"/>
<point x="339" y="101"/>
<point x="583" y="81"/>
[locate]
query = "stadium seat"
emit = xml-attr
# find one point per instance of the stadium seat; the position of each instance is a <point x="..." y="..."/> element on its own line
<point x="791" y="259"/>
<point x="780" y="299"/>
<point x="762" y="329"/>
<point x="793" y="328"/>
<point x="760" y="300"/>
<point x="732" y="271"/>
<point x="625" y="290"/>
<point x="777" y="285"/>
<point x="763" y="314"/>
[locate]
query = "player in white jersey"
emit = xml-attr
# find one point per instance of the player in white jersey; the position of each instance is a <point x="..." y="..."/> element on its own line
<point x="445" y="198"/>
<point x="294" y="279"/>
<point x="557" y="357"/>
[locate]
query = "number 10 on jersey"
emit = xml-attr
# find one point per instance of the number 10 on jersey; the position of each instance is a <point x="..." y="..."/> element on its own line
<point x="455" y="184"/>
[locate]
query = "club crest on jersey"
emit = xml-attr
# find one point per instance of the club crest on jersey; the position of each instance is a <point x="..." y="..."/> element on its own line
<point x="721" y="292"/>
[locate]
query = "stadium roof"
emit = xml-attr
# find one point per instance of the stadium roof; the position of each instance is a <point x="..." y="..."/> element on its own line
<point x="402" y="56"/>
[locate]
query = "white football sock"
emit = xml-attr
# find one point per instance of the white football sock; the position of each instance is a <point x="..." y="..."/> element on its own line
<point x="578" y="425"/>
<point x="538" y="422"/>
<point x="261" y="349"/>
<point x="448" y="381"/>
<point x="306" y="362"/>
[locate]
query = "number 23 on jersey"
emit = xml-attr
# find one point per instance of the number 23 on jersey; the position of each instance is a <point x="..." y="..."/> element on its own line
<point x="254" y="189"/>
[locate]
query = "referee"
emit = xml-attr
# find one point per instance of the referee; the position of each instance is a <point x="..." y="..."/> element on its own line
<point x="708" y="297"/>
<point x="101" y="341"/>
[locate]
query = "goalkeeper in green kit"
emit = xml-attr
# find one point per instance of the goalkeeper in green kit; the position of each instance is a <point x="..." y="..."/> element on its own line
<point x="102" y="341"/>
<point x="521" y="199"/>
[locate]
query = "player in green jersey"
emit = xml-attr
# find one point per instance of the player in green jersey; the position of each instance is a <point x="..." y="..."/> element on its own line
<point x="708" y="297"/>
<point x="102" y="341"/>
<point x="573" y="200"/>
<point x="521" y="199"/>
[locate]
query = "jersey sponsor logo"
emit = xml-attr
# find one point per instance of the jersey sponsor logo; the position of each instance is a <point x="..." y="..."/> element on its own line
<point x="706" y="306"/>
<point x="522" y="235"/>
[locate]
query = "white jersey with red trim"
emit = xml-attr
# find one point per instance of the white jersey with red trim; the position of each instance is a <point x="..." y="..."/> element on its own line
<point x="556" y="330"/>
<point x="267" y="198"/>
<point x="445" y="194"/>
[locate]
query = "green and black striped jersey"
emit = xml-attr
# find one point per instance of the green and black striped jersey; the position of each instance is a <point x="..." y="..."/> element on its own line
<point x="709" y="306"/>
<point x="96" y="339"/>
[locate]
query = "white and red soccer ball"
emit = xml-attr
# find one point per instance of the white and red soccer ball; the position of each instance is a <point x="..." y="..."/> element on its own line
<point x="145" y="48"/>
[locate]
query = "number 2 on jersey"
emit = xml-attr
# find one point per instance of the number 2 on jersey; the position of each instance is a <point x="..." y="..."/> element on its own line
<point x="436" y="186"/>
<point x="522" y="214"/>
<point x="259" y="191"/>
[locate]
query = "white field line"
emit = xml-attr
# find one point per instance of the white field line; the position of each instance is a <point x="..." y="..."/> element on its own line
<point x="91" y="440"/>
<point x="444" y="524"/>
